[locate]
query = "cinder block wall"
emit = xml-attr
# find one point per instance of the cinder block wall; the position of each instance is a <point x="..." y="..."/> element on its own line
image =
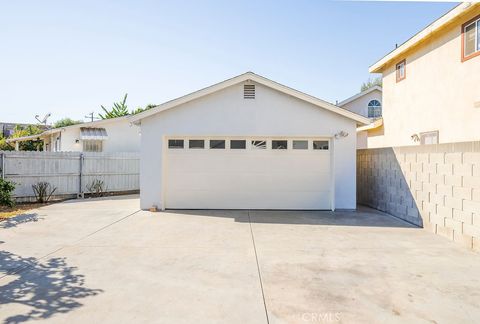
<point x="434" y="186"/>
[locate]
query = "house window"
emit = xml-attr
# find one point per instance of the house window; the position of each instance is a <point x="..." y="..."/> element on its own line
<point x="374" y="109"/>
<point x="279" y="145"/>
<point x="175" y="144"/>
<point x="300" y="145"/>
<point x="217" y="144"/>
<point x="401" y="69"/>
<point x="259" y="145"/>
<point x="196" y="144"/>
<point x="429" y="138"/>
<point x="238" y="144"/>
<point x="92" y="146"/>
<point x="471" y="39"/>
<point x="320" y="145"/>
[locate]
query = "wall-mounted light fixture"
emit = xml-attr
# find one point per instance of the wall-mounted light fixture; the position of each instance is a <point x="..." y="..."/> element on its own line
<point x="340" y="134"/>
<point x="415" y="138"/>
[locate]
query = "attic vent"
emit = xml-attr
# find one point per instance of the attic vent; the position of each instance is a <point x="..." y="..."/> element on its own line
<point x="248" y="91"/>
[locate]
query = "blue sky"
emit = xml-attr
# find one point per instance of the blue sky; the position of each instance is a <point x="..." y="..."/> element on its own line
<point x="70" y="57"/>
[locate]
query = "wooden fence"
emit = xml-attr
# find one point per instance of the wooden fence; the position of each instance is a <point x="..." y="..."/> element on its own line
<point x="71" y="173"/>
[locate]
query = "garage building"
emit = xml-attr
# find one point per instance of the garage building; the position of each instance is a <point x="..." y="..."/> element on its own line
<point x="248" y="143"/>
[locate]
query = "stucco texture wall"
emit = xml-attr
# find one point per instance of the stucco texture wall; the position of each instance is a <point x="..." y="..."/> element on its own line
<point x="434" y="186"/>
<point x="440" y="92"/>
<point x="122" y="137"/>
<point x="226" y="113"/>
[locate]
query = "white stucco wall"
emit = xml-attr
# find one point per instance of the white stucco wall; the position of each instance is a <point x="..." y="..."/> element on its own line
<point x="226" y="113"/>
<point x="122" y="137"/>
<point x="440" y="92"/>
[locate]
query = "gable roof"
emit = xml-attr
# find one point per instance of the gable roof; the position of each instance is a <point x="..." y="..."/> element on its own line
<point x="359" y="95"/>
<point x="249" y="76"/>
<point x="434" y="27"/>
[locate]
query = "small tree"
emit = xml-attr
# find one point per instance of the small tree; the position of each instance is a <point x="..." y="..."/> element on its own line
<point x="4" y="146"/>
<point x="64" y="122"/>
<point x="43" y="191"/>
<point x="371" y="83"/>
<point x="97" y="188"/>
<point x="118" y="109"/>
<point x="140" y="109"/>
<point x="32" y="145"/>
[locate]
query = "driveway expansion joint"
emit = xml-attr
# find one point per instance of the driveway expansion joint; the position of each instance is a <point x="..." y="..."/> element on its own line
<point x="258" y="267"/>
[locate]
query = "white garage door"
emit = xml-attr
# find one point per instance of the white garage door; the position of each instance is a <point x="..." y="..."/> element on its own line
<point x="247" y="173"/>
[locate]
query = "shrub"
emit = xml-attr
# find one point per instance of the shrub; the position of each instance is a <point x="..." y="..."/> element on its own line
<point x="97" y="188"/>
<point x="43" y="191"/>
<point x="6" y="189"/>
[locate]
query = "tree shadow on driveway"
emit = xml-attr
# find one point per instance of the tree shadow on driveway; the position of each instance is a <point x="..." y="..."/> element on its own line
<point x="46" y="288"/>
<point x="19" y="219"/>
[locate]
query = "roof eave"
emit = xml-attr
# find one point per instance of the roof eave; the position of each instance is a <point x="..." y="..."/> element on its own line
<point x="372" y="125"/>
<point x="24" y="138"/>
<point x="136" y="119"/>
<point x="441" y="22"/>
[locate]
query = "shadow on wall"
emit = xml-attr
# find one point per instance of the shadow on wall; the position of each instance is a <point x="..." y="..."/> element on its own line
<point x="45" y="289"/>
<point x="19" y="219"/>
<point x="385" y="182"/>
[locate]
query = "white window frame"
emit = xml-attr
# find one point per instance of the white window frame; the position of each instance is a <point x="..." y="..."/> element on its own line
<point x="401" y="67"/>
<point x="477" y="49"/>
<point x="429" y="134"/>
<point x="377" y="110"/>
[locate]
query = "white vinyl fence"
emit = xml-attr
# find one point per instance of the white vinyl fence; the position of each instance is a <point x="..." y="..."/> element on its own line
<point x="70" y="172"/>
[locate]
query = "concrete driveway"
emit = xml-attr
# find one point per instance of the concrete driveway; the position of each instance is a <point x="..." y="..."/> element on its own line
<point x="104" y="261"/>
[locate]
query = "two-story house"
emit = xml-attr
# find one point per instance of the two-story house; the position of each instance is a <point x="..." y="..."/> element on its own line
<point x="431" y="84"/>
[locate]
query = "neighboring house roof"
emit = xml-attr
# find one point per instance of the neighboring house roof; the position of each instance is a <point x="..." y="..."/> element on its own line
<point x="242" y="78"/>
<point x="427" y="32"/>
<point x="93" y="124"/>
<point x="88" y="124"/>
<point x="358" y="95"/>
<point x="23" y="138"/>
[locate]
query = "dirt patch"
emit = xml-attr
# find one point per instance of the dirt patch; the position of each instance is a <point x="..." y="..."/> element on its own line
<point x="7" y="212"/>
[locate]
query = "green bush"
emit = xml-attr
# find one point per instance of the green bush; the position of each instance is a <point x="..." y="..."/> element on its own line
<point x="6" y="189"/>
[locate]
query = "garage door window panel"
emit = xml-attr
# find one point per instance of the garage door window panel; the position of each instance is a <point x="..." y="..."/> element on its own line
<point x="320" y="145"/>
<point x="196" y="144"/>
<point x="300" y="144"/>
<point x="238" y="144"/>
<point x="259" y="145"/>
<point x="279" y="145"/>
<point x="175" y="144"/>
<point x="217" y="144"/>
